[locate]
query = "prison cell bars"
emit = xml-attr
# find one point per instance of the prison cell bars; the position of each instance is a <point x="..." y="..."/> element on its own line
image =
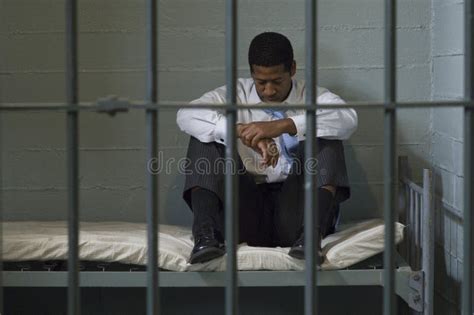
<point x="72" y="158"/>
<point x="468" y="247"/>
<point x="73" y="107"/>
<point x="152" y="298"/>
<point x="310" y="203"/>
<point x="390" y="187"/>
<point x="231" y="185"/>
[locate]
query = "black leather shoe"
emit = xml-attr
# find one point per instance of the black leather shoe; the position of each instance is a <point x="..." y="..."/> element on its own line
<point x="208" y="244"/>
<point x="297" y="250"/>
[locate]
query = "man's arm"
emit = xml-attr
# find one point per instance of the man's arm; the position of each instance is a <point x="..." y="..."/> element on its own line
<point x="209" y="125"/>
<point x="252" y="133"/>
<point x="336" y="124"/>
<point x="205" y="124"/>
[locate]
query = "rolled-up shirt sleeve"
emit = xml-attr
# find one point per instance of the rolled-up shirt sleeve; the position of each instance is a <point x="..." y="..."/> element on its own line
<point x="338" y="123"/>
<point x="207" y="125"/>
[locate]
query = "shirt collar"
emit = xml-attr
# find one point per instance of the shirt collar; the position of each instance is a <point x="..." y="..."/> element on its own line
<point x="291" y="99"/>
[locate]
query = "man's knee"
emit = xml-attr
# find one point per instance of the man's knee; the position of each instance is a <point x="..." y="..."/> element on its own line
<point x="333" y="146"/>
<point x="330" y="188"/>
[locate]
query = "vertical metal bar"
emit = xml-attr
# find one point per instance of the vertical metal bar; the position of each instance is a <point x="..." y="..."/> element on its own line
<point x="408" y="223"/>
<point x="421" y="231"/>
<point x="72" y="93"/>
<point x="403" y="196"/>
<point x="1" y="215"/>
<point x="468" y="224"/>
<point x="428" y="244"/>
<point x="231" y="187"/>
<point x="417" y="229"/>
<point x="389" y="157"/>
<point x="412" y="227"/>
<point x="152" y="153"/>
<point x="311" y="206"/>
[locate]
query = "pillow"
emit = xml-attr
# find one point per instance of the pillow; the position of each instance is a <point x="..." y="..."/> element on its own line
<point x="351" y="244"/>
<point x="356" y="242"/>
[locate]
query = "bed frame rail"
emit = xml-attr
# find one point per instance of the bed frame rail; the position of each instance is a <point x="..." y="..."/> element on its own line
<point x="416" y="212"/>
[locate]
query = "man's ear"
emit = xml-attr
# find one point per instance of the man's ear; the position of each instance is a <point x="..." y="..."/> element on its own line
<point x="293" y="68"/>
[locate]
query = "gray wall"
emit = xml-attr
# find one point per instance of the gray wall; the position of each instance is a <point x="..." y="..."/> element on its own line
<point x="447" y="152"/>
<point x="112" y="61"/>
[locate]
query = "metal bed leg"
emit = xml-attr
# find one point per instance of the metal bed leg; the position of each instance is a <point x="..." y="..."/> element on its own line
<point x="417" y="231"/>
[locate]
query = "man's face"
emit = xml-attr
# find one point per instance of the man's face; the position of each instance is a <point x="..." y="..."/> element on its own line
<point x="273" y="84"/>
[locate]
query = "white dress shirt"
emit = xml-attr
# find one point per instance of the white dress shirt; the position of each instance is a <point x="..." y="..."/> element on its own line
<point x="208" y="125"/>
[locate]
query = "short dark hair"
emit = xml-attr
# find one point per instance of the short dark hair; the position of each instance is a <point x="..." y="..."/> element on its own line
<point x="270" y="49"/>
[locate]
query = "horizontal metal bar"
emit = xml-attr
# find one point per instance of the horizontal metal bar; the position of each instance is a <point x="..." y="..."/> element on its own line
<point x="89" y="106"/>
<point x="371" y="277"/>
<point x="412" y="185"/>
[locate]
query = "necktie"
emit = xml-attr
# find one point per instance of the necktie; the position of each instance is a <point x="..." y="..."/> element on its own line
<point x="288" y="143"/>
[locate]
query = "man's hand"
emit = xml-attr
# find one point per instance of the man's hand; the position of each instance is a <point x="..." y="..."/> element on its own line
<point x="269" y="152"/>
<point x="252" y="133"/>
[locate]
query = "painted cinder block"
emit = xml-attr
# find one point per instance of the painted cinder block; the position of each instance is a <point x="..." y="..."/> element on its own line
<point x="448" y="28"/>
<point x="448" y="78"/>
<point x="442" y="152"/>
<point x="459" y="193"/>
<point x="458" y="156"/>
<point x="444" y="185"/>
<point x="449" y="122"/>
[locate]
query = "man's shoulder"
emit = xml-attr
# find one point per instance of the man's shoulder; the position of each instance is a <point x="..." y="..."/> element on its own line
<point x="324" y="94"/>
<point x="301" y="86"/>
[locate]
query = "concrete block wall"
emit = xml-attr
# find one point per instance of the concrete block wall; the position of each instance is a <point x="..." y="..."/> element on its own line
<point x="112" y="60"/>
<point x="447" y="152"/>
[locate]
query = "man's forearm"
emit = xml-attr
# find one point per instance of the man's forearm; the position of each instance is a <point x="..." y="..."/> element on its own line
<point x="287" y="125"/>
<point x="275" y="128"/>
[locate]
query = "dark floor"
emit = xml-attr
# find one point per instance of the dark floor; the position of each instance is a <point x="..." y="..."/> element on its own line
<point x="195" y="301"/>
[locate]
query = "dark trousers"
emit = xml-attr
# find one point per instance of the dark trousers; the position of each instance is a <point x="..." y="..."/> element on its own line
<point x="269" y="214"/>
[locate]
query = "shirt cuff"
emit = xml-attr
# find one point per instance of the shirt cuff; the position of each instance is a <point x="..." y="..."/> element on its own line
<point x="300" y="123"/>
<point x="220" y="130"/>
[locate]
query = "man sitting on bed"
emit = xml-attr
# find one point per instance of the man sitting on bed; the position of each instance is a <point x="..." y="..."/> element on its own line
<point x="271" y="163"/>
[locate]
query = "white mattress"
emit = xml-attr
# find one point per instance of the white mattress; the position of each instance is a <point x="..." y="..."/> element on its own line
<point x="126" y="243"/>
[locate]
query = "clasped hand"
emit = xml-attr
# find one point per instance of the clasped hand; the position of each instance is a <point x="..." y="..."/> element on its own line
<point x="259" y="136"/>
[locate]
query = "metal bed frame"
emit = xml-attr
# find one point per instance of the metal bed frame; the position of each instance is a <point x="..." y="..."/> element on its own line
<point x="413" y="274"/>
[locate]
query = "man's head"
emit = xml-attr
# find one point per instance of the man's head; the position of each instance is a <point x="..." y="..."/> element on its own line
<point x="272" y="66"/>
